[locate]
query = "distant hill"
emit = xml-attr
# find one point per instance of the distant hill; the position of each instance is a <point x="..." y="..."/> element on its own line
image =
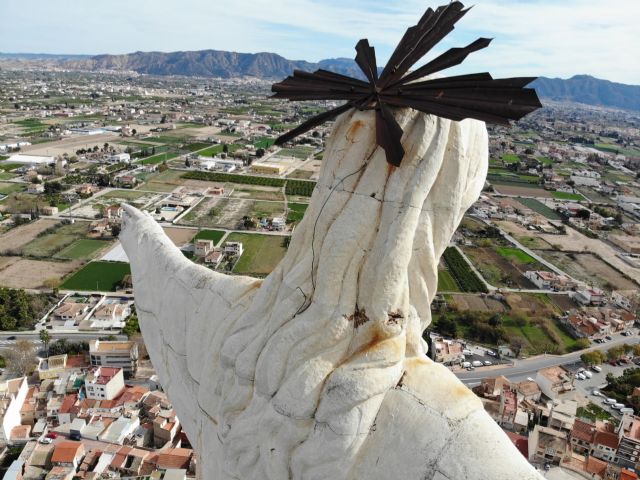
<point x="589" y="90"/>
<point x="218" y="63"/>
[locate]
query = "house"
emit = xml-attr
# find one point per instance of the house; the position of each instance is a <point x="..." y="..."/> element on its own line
<point x="104" y="383"/>
<point x="589" y="296"/>
<point x="581" y="436"/>
<point x="120" y="158"/>
<point x="233" y="249"/>
<point x="71" y="311"/>
<point x="116" y="354"/>
<point x="113" y="212"/>
<point x="203" y="247"/>
<point x="278" y="223"/>
<point x="68" y="454"/>
<point x="547" y="445"/>
<point x="550" y="280"/>
<point x="604" y="446"/>
<point x="554" y="381"/>
<point x="528" y="390"/>
<point x="35" y="188"/>
<point x="111" y="312"/>
<point x="214" y="257"/>
<point x="448" y="352"/>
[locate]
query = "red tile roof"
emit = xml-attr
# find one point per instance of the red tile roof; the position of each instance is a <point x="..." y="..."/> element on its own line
<point x="607" y="439"/>
<point x="627" y="475"/>
<point x="521" y="443"/>
<point x="68" y="402"/>
<point x="175" y="458"/>
<point x="66" y="452"/>
<point x="597" y="466"/>
<point x="583" y="431"/>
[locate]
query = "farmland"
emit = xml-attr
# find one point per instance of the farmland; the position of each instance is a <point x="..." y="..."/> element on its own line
<point x="516" y="254"/>
<point x="98" y="276"/>
<point x="232" y="178"/>
<point x="296" y="212"/>
<point x="215" y="235"/>
<point x="262" y="253"/>
<point x="540" y="208"/>
<point x="460" y="271"/>
<point x="503" y="266"/>
<point x="49" y="243"/>
<point x="576" y="197"/>
<point x="82" y="249"/>
<point x="446" y="282"/>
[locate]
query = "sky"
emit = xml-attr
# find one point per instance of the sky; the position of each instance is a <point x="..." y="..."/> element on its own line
<point x="554" y="38"/>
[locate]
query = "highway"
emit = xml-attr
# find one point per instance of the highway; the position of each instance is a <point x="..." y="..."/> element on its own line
<point x="521" y="369"/>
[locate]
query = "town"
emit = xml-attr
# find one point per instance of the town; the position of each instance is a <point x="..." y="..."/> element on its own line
<point x="538" y="293"/>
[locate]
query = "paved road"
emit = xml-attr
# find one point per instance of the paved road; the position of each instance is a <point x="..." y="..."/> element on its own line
<point x="522" y="369"/>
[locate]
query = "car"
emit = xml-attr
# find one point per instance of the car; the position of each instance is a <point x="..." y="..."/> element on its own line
<point x="587" y="374"/>
<point x="466" y="352"/>
<point x="596" y="368"/>
<point x="75" y="436"/>
<point x="471" y="368"/>
<point x="608" y="337"/>
<point x="598" y="340"/>
<point x="466" y="364"/>
<point x="45" y="440"/>
<point x="491" y="353"/>
<point x="52" y="435"/>
<point x="610" y="401"/>
<point x="627" y="333"/>
<point x="476" y="363"/>
<point x="580" y="376"/>
<point x="618" y="406"/>
<point x="487" y="363"/>
<point x="596" y="393"/>
<point x="612" y="363"/>
<point x="11" y="337"/>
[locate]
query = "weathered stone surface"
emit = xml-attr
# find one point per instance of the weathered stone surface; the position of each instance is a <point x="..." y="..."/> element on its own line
<point x="319" y="371"/>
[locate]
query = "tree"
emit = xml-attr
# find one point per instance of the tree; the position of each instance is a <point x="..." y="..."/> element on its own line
<point x="614" y="353"/>
<point x="260" y="152"/>
<point x="593" y="358"/>
<point x="21" y="359"/>
<point x="44" y="338"/>
<point x="187" y="163"/>
<point x="516" y="344"/>
<point x="225" y="148"/>
<point x="133" y="132"/>
<point x="115" y="229"/>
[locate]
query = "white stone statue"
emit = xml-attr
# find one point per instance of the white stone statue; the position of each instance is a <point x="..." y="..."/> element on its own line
<point x="319" y="371"/>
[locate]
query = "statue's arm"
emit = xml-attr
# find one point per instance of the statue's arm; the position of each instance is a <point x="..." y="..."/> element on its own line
<point x="182" y="307"/>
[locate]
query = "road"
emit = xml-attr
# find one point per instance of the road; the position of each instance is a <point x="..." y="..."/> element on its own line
<point x="522" y="369"/>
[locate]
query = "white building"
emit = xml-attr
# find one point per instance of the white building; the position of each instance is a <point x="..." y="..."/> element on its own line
<point x="586" y="177"/>
<point x="233" y="249"/>
<point x="114" y="354"/>
<point x="104" y="383"/>
<point x="31" y="159"/>
<point x="120" y="157"/>
<point x="12" y="396"/>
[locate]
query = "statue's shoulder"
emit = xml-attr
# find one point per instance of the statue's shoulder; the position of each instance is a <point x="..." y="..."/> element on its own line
<point x="416" y="422"/>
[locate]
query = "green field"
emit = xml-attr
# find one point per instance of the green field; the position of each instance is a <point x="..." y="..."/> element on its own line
<point x="82" y="249"/>
<point x="545" y="160"/>
<point x="193" y="147"/>
<point x="516" y="254"/>
<point x="214" y="150"/>
<point x="6" y="176"/>
<point x="215" y="235"/>
<point x="8" y="188"/>
<point x="262" y="253"/>
<point x="124" y="194"/>
<point x="98" y="276"/>
<point x="297" y="152"/>
<point x="446" y="282"/>
<point x="166" y="139"/>
<point x="540" y="208"/>
<point x="510" y="158"/>
<point x="296" y="212"/>
<point x="568" y="196"/>
<point x="264" y="142"/>
<point x="159" y="158"/>
<point x="262" y="209"/>
<point x="9" y="166"/>
<point x="56" y="240"/>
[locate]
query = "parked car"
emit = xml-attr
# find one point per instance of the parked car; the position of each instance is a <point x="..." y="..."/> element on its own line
<point x="52" y="435"/>
<point x="529" y="379"/>
<point x="487" y="363"/>
<point x="466" y="364"/>
<point x="596" y="368"/>
<point x="580" y="376"/>
<point x="627" y="333"/>
<point x="626" y="411"/>
<point x="491" y="353"/>
<point x="587" y="374"/>
<point x="471" y="368"/>
<point x="11" y="337"/>
<point x="618" y="406"/>
<point x="466" y="351"/>
<point x="476" y="363"/>
<point x="596" y="393"/>
<point x="608" y="337"/>
<point x="45" y="440"/>
<point x="610" y="401"/>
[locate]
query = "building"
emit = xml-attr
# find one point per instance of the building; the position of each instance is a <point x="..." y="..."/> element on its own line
<point x="71" y="311"/>
<point x="115" y="354"/>
<point x="266" y="168"/>
<point x="120" y="158"/>
<point x="547" y="445"/>
<point x="203" y="247"/>
<point x="68" y="454"/>
<point x="113" y="212"/>
<point x="604" y="446"/>
<point x="448" y="352"/>
<point x="104" y="383"/>
<point x="589" y="296"/>
<point x="629" y="438"/>
<point x="12" y="396"/>
<point x="233" y="249"/>
<point x="554" y="381"/>
<point x="550" y="280"/>
<point x="581" y="436"/>
<point x="35" y="188"/>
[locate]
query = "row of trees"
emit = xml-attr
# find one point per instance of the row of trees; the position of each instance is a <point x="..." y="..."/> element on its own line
<point x="614" y="353"/>
<point x="20" y="310"/>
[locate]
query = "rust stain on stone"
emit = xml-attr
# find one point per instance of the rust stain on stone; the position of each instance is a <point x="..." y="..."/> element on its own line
<point x="354" y="128"/>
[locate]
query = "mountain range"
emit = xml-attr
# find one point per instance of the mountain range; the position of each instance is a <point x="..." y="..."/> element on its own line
<point x="216" y="63"/>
